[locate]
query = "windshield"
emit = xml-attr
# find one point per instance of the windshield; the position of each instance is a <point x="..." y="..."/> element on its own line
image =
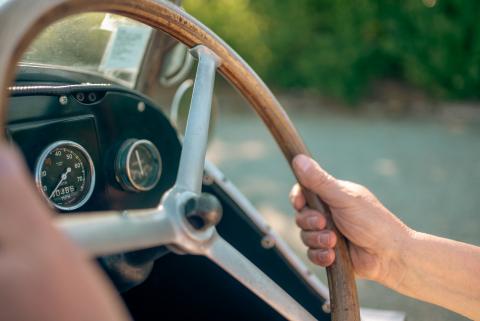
<point x="106" y="44"/>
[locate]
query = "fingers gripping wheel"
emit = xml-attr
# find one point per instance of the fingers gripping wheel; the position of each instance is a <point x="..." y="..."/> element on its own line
<point x="203" y="212"/>
<point x="112" y="232"/>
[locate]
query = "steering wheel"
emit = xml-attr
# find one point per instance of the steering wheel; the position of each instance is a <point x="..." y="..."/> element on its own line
<point x="171" y="223"/>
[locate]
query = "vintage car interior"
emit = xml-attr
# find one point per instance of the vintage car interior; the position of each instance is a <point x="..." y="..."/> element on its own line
<point x="105" y="155"/>
<point x="96" y="133"/>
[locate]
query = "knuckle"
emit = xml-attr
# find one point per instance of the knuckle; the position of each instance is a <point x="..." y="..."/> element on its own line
<point x="304" y="238"/>
<point x="309" y="239"/>
<point x="309" y="177"/>
<point x="332" y="239"/>
<point x="299" y="220"/>
<point x="330" y="257"/>
<point x="317" y="180"/>
<point x="323" y="238"/>
<point x="326" y="239"/>
<point x="312" y="256"/>
<point x="320" y="222"/>
<point x="357" y="191"/>
<point x="310" y="220"/>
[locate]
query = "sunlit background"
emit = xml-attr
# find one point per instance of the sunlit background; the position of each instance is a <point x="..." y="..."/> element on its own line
<point x="385" y="93"/>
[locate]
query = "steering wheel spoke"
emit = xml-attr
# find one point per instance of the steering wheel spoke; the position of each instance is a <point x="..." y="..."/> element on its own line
<point x="103" y="233"/>
<point x="238" y="266"/>
<point x="192" y="159"/>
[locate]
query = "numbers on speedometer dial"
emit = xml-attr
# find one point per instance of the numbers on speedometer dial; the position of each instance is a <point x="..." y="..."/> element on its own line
<point x="65" y="175"/>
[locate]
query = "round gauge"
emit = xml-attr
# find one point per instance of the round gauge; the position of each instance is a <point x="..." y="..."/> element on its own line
<point x="138" y="165"/>
<point x="65" y="175"/>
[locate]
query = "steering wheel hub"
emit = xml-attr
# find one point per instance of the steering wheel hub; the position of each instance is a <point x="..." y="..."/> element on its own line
<point x="203" y="212"/>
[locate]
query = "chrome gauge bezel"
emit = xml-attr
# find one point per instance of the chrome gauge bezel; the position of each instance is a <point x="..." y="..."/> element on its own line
<point x="122" y="169"/>
<point x="38" y="172"/>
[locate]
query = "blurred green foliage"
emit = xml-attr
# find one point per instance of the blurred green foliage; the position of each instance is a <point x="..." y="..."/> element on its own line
<point x="341" y="47"/>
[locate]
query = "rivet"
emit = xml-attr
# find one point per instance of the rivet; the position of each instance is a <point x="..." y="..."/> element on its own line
<point x="141" y="107"/>
<point x="326" y="307"/>
<point x="207" y="180"/>
<point x="63" y="100"/>
<point x="268" y="242"/>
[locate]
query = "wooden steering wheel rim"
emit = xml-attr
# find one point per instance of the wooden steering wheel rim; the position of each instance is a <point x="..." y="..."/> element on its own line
<point x="23" y="20"/>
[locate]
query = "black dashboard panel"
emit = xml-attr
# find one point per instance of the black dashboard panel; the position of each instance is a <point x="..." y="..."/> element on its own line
<point x="180" y="287"/>
<point x="33" y="137"/>
<point x="37" y="120"/>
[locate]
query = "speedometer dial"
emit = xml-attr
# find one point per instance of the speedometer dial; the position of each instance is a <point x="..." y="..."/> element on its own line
<point x="65" y="175"/>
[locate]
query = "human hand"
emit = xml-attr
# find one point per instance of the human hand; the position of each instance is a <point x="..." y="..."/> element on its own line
<point x="375" y="235"/>
<point x="42" y="275"/>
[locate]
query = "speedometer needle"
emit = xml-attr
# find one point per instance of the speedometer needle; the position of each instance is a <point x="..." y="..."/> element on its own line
<point x="139" y="162"/>
<point x="64" y="177"/>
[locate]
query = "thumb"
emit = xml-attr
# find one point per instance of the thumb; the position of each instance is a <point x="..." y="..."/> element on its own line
<point x="316" y="179"/>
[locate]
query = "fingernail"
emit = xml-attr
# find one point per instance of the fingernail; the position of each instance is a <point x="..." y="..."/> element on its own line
<point x="324" y="238"/>
<point x="302" y="163"/>
<point x="312" y="222"/>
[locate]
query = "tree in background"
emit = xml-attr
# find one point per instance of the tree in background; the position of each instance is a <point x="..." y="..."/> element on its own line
<point x="340" y="47"/>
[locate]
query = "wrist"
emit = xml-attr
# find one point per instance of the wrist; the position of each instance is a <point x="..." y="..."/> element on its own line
<point x="395" y="263"/>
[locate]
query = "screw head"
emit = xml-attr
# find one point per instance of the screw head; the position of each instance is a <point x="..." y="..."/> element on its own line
<point x="63" y="100"/>
<point x="208" y="180"/>
<point x="268" y="242"/>
<point x="141" y="107"/>
<point x="326" y="307"/>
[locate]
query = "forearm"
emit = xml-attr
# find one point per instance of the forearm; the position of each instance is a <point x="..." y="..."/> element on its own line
<point x="442" y="272"/>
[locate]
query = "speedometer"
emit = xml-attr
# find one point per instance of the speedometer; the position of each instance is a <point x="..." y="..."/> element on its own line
<point x="65" y="175"/>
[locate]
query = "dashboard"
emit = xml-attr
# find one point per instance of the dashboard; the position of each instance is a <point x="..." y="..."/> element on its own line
<point x="93" y="147"/>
